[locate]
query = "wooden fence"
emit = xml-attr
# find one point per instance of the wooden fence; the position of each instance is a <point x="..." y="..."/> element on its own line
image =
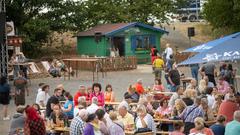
<point x="119" y="63"/>
<point x="104" y="64"/>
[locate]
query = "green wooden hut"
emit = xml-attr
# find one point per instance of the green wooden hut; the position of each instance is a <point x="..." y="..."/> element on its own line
<point x="131" y="39"/>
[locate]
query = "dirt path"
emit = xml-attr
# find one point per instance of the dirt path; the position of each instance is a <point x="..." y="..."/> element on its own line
<point x="177" y="38"/>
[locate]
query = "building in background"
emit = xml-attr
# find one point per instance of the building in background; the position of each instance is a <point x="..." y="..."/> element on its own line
<point x="130" y="39"/>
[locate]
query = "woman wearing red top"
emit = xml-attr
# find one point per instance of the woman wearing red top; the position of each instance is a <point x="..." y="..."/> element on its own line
<point x="97" y="93"/>
<point x="227" y="108"/>
<point x="34" y="124"/>
<point x="139" y="87"/>
<point x="153" y="53"/>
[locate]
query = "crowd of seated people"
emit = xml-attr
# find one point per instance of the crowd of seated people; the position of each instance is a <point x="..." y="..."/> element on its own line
<point x="88" y="111"/>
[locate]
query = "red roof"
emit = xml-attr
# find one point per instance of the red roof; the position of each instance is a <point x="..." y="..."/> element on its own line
<point x="103" y="28"/>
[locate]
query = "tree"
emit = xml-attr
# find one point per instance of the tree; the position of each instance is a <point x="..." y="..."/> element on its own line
<point x="145" y="11"/>
<point x="36" y="19"/>
<point x="223" y="14"/>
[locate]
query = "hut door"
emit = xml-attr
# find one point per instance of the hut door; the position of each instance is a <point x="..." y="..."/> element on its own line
<point x="119" y="44"/>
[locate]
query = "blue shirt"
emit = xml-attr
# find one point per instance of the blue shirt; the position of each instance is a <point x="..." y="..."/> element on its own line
<point x="232" y="128"/>
<point x="5" y="88"/>
<point x="190" y="113"/>
<point x="218" y="129"/>
<point x="70" y="113"/>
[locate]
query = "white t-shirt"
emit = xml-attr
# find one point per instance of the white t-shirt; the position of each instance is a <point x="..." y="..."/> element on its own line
<point x="39" y="90"/>
<point x="139" y="123"/>
<point x="42" y="96"/>
<point x="148" y="119"/>
<point x="168" y="51"/>
<point x="112" y="54"/>
<point x="92" y="108"/>
<point x="211" y="100"/>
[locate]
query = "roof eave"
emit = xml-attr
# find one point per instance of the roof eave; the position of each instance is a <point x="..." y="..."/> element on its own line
<point x="136" y="24"/>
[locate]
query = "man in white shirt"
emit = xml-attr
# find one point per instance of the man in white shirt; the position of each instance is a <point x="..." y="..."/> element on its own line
<point x="40" y="85"/>
<point x="94" y="106"/>
<point x="43" y="96"/>
<point x="168" y="51"/>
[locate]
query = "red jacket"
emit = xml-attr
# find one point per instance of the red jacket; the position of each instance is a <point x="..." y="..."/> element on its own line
<point x="227" y="108"/>
<point x="139" y="88"/>
<point x="76" y="96"/>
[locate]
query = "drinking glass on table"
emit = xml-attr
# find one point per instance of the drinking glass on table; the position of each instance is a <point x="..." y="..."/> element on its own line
<point x="128" y="127"/>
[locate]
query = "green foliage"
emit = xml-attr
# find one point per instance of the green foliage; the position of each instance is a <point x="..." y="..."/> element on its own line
<point x="223" y="14"/>
<point x="37" y="19"/>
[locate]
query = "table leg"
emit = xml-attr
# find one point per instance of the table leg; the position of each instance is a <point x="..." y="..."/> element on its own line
<point x="102" y="69"/>
<point x="93" y="70"/>
<point x="69" y="70"/>
<point x="76" y="69"/>
<point x="97" y="66"/>
<point x="64" y="75"/>
<point x="184" y="85"/>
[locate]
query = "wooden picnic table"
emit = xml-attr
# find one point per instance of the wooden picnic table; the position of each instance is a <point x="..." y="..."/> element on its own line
<point x="93" y="62"/>
<point x="58" y="129"/>
<point x="147" y="133"/>
<point x="133" y="133"/>
<point x="112" y="103"/>
<point x="167" y="121"/>
<point x="164" y="93"/>
<point x="117" y="103"/>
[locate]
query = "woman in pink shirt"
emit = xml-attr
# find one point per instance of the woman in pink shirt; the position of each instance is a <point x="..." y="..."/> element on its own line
<point x="158" y="85"/>
<point x="223" y="86"/>
<point x="164" y="109"/>
<point x="97" y="93"/>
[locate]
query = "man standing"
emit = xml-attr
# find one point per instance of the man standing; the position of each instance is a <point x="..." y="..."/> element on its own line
<point x="209" y="70"/>
<point x="20" y="84"/>
<point x="194" y="71"/>
<point x="233" y="128"/>
<point x="158" y="65"/>
<point x="174" y="78"/>
<point x="168" y="51"/>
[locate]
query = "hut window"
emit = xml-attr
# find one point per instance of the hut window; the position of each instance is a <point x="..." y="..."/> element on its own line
<point x="143" y="42"/>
